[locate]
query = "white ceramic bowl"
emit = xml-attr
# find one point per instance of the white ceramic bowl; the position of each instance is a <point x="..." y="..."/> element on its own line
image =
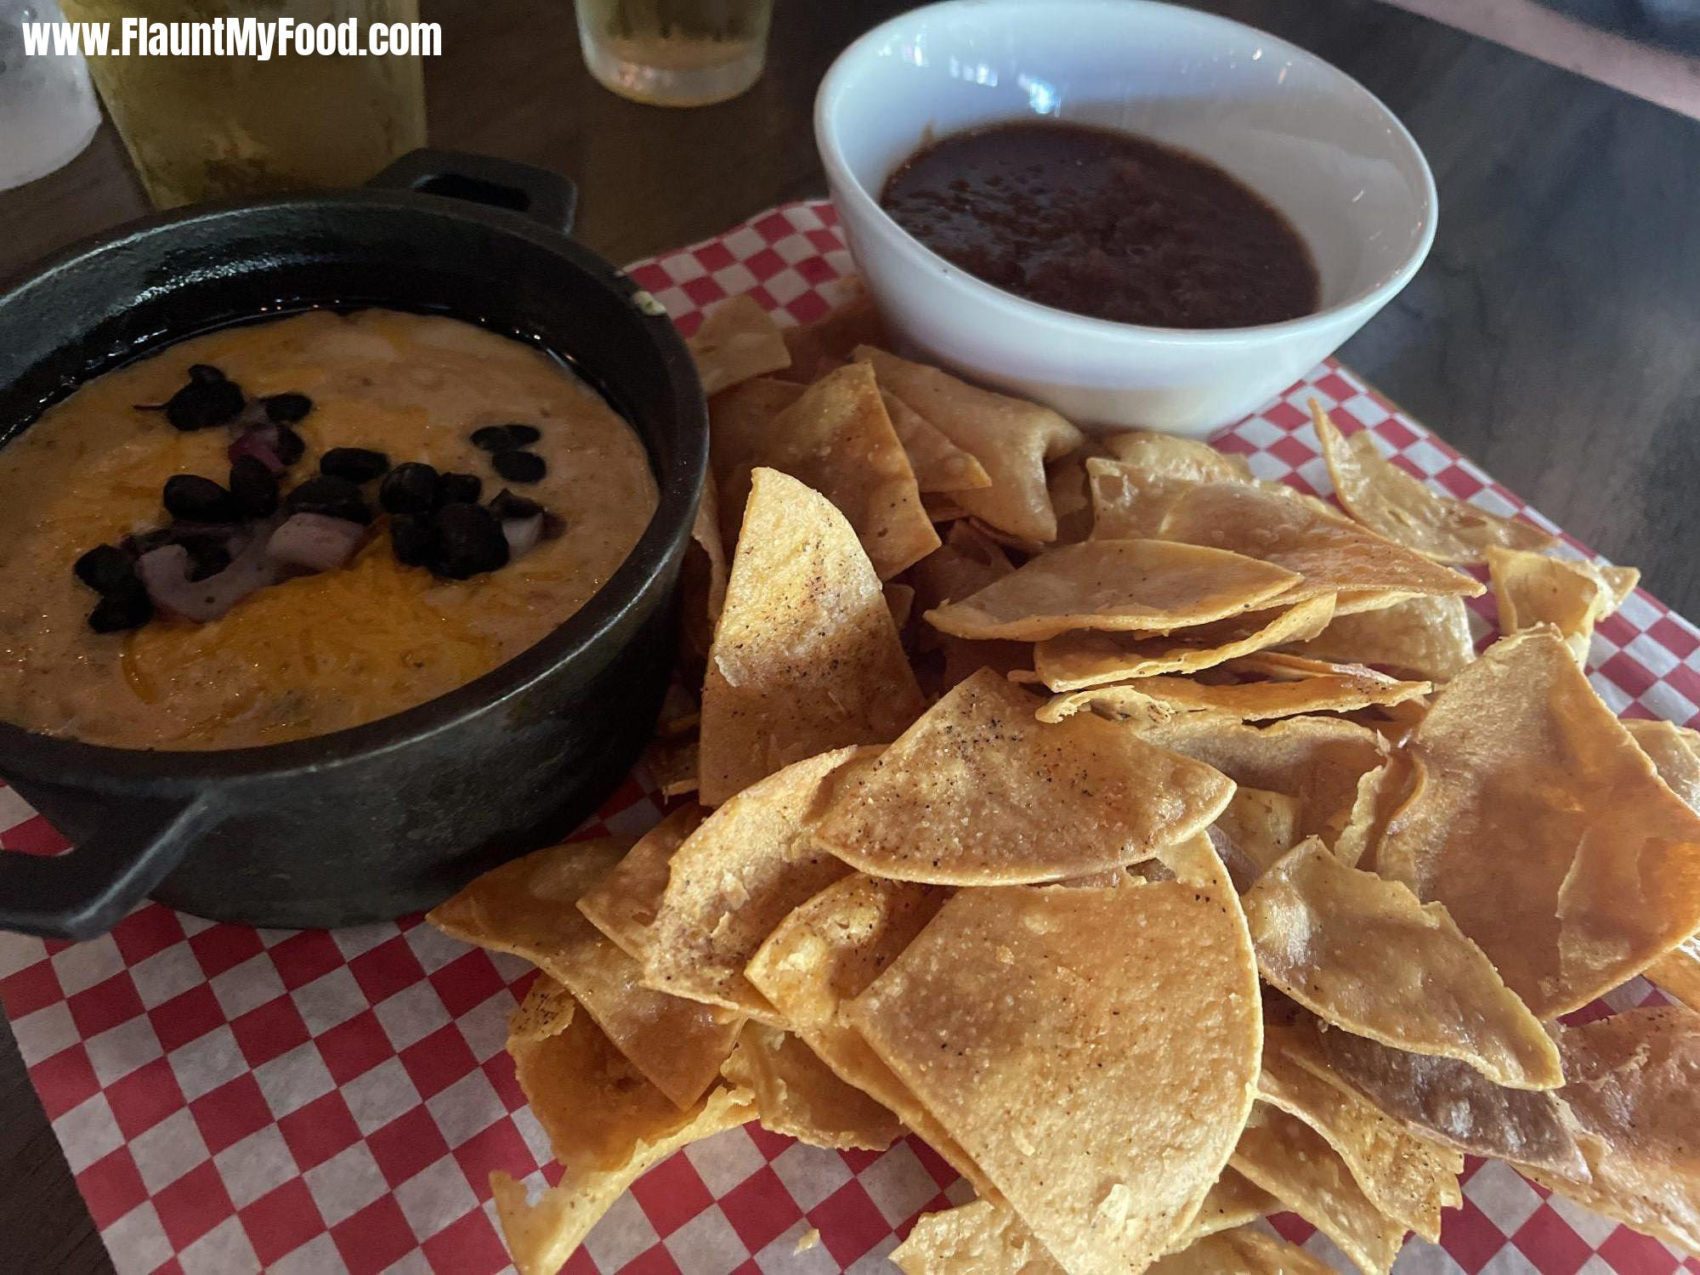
<point x="1305" y="136"/>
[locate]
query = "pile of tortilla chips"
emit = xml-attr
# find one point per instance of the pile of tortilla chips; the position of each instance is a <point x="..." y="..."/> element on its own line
<point x="1148" y="838"/>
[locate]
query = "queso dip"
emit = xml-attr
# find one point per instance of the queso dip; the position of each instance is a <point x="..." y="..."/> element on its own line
<point x="379" y="553"/>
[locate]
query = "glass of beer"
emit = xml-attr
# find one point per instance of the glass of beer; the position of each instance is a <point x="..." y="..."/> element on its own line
<point x="209" y="127"/>
<point x="675" y="52"/>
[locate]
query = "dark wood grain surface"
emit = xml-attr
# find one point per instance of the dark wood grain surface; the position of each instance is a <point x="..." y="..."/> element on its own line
<point x="1551" y="335"/>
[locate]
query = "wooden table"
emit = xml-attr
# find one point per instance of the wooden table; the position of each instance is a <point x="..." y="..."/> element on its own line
<point x="1550" y="335"/>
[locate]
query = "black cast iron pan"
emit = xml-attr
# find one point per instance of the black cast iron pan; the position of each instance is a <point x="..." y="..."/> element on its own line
<point x="387" y="818"/>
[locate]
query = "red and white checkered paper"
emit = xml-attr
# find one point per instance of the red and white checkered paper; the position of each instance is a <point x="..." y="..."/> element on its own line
<point x="233" y="1099"/>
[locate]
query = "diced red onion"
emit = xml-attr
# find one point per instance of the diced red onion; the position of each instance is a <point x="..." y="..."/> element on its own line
<point x="523" y="534"/>
<point x="259" y="442"/>
<point x="165" y="572"/>
<point x="315" y="542"/>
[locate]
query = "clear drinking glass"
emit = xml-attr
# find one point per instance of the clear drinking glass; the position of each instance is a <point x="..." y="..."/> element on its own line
<point x="675" y="52"/>
<point x="47" y="109"/>
<point x="210" y="127"/>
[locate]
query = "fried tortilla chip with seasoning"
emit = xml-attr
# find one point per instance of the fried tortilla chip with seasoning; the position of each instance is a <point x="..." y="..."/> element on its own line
<point x="1012" y="439"/>
<point x="1363" y="954"/>
<point x="1544" y="829"/>
<point x="1384" y="497"/>
<point x="738" y="340"/>
<point x="1057" y="1034"/>
<point x="806" y="657"/>
<point x="977" y="791"/>
<point x="1141" y="585"/>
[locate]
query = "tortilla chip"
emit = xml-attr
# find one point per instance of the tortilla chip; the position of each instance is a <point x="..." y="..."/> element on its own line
<point x="1675" y="754"/>
<point x="977" y="1238"/>
<point x="819" y="347"/>
<point x="966" y="563"/>
<point x="1169" y="456"/>
<point x="939" y="464"/>
<point x="1284" y="527"/>
<point x="1010" y="438"/>
<point x="1244" y="1251"/>
<point x="735" y="878"/>
<point x="541" y="1235"/>
<point x="806" y="657"/>
<point x="1070" y="489"/>
<point x="824" y="955"/>
<point x="1633" y="1085"/>
<point x="1128" y="503"/>
<point x="1385" y="498"/>
<point x="796" y="1094"/>
<point x="1533" y="589"/>
<point x="1294" y="1163"/>
<point x="1144" y="585"/>
<point x="976" y="792"/>
<point x="1543" y="828"/>
<point x="546" y="1011"/>
<point x="1023" y="1019"/>
<point x="1233" y="1201"/>
<point x="941" y="508"/>
<point x="588" y="1097"/>
<point x="1254" y="831"/>
<point x="1445" y="1101"/>
<point x="527" y="907"/>
<point x="1154" y="700"/>
<point x="1361" y="953"/>
<point x="1381" y="793"/>
<point x="900" y="601"/>
<point x="1405" y="1177"/>
<point x="674" y="764"/>
<point x="1425" y="637"/>
<point x="836" y="438"/>
<point x="1073" y="661"/>
<point x="1317" y="760"/>
<point x="737" y="340"/>
<point x="623" y="903"/>
<point x="1677" y="972"/>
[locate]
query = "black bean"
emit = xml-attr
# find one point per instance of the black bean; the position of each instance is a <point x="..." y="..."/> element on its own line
<point x="254" y="486"/>
<point x="106" y="569"/>
<point x="469" y="541"/>
<point x="289" y="445"/>
<point x="286" y="409"/>
<point x="519" y="467"/>
<point x="462" y="488"/>
<point x="524" y="435"/>
<point x="127" y="608"/>
<point x="204" y="403"/>
<point x="504" y="504"/>
<point x="413" y="539"/>
<point x="204" y="374"/>
<point x="409" y="488"/>
<point x="329" y="495"/>
<point x="500" y="438"/>
<point x="357" y="464"/>
<point x="207" y="556"/>
<point x="199" y="499"/>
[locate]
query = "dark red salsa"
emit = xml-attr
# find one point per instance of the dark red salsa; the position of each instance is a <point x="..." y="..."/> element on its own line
<point x="1104" y="224"/>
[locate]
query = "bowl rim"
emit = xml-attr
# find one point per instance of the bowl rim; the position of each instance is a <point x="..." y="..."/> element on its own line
<point x="60" y="760"/>
<point x="837" y="84"/>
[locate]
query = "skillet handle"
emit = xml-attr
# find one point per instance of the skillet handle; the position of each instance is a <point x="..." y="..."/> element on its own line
<point x="87" y="890"/>
<point x="547" y="198"/>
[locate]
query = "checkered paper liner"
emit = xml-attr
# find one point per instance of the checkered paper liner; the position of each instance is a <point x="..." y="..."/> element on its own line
<point x="232" y="1099"/>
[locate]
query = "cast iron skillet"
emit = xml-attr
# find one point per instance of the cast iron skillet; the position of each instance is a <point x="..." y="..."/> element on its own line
<point x="387" y="818"/>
